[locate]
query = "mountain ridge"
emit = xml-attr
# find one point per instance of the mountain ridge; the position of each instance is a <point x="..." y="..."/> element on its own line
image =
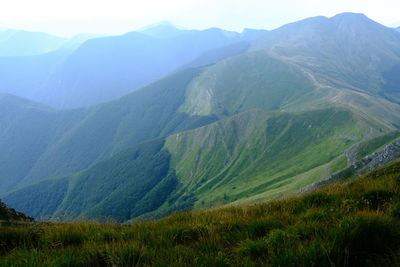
<point x="183" y="178"/>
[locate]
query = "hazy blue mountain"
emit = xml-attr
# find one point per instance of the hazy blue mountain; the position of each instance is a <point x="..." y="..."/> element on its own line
<point x="251" y="34"/>
<point x="77" y="40"/>
<point x="109" y="67"/>
<point x="24" y="43"/>
<point x="163" y="29"/>
<point x="26" y="76"/>
<point x="61" y="142"/>
<point x="105" y="68"/>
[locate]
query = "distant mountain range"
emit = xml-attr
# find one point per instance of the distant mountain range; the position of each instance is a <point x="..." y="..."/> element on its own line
<point x="225" y="119"/>
<point x="24" y="43"/>
<point x="102" y="69"/>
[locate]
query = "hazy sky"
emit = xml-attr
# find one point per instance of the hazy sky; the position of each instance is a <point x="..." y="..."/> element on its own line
<point x="68" y="17"/>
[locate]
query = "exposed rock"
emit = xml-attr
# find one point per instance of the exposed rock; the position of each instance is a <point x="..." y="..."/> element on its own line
<point x="377" y="159"/>
<point x="9" y="214"/>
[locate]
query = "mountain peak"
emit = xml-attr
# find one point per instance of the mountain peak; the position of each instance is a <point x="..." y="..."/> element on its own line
<point x="161" y="29"/>
<point x="357" y="22"/>
<point x="349" y="17"/>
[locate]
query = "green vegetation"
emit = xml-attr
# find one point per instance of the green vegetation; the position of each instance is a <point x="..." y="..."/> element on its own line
<point x="250" y="157"/>
<point x="30" y="199"/>
<point x="252" y="80"/>
<point x="259" y="155"/>
<point x="356" y="223"/>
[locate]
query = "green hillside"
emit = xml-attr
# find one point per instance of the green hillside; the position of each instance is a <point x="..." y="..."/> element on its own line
<point x="249" y="157"/>
<point x="258" y="155"/>
<point x="355" y="223"/>
<point x="252" y="80"/>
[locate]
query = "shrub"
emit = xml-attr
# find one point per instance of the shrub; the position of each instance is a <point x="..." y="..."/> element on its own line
<point x="395" y="211"/>
<point x="261" y="227"/>
<point x="317" y="216"/>
<point x="25" y="237"/>
<point x="185" y="235"/>
<point x="363" y="237"/>
<point x="376" y="199"/>
<point x="318" y="199"/>
<point x="254" y="249"/>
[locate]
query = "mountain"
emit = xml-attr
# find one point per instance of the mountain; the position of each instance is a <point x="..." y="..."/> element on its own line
<point x="253" y="156"/>
<point x="24" y="76"/>
<point x="333" y="52"/>
<point x="105" y="68"/>
<point x="163" y="29"/>
<point x="256" y="119"/>
<point x="24" y="43"/>
<point x="398" y="28"/>
<point x="61" y="142"/>
<point x="125" y="63"/>
<point x="77" y="40"/>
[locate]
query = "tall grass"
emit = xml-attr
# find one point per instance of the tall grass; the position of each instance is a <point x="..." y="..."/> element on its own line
<point x="356" y="223"/>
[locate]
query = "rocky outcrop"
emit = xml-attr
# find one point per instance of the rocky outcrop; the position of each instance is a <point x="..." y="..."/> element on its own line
<point x="377" y="159"/>
<point x="9" y="214"/>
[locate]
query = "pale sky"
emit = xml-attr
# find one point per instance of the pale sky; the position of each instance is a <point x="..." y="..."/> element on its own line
<point x="69" y="17"/>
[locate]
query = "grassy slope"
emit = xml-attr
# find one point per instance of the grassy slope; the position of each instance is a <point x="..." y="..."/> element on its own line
<point x="268" y="80"/>
<point x="355" y="223"/>
<point x="252" y="80"/>
<point x="352" y="60"/>
<point x="258" y="155"/>
<point x="249" y="157"/>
